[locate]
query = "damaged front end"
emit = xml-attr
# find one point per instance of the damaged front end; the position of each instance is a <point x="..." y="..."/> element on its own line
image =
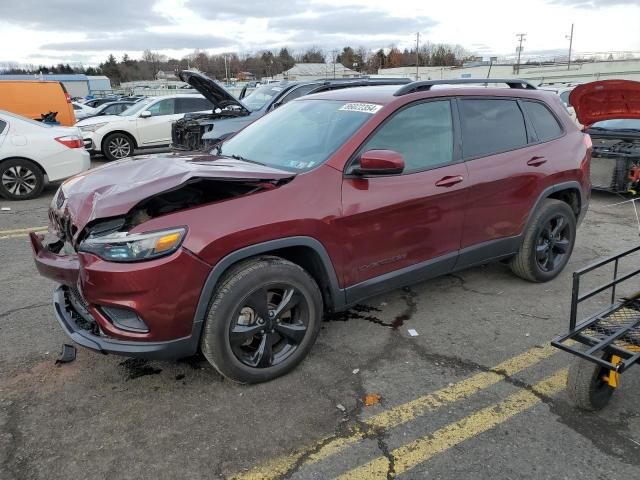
<point x="187" y="133"/>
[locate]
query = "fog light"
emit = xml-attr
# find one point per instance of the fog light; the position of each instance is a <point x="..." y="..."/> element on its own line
<point x="125" y="319"/>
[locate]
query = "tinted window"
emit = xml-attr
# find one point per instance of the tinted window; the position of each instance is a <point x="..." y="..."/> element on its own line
<point x="422" y="133"/>
<point x="491" y="126"/>
<point x="2" y="125"/>
<point x="112" y="110"/>
<point x="544" y="123"/>
<point x="186" y="105"/>
<point x="564" y="96"/>
<point x="298" y="92"/>
<point x="163" y="107"/>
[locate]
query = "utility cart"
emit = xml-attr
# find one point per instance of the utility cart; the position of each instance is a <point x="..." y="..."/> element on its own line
<point x="606" y="343"/>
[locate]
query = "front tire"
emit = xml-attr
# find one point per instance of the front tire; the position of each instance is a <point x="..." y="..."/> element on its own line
<point x="547" y="244"/>
<point x="20" y="179"/>
<point x="117" y="146"/>
<point x="263" y="320"/>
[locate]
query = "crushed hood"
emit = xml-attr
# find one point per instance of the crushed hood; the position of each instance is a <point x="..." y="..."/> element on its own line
<point x="114" y="189"/>
<point x="213" y="92"/>
<point x="605" y="100"/>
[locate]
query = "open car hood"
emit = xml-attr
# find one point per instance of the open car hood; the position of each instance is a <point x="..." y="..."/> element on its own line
<point x="114" y="189"/>
<point x="605" y="100"/>
<point x="213" y="92"/>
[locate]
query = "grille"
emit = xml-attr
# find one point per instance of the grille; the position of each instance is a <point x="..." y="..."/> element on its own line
<point x="623" y="318"/>
<point x="79" y="309"/>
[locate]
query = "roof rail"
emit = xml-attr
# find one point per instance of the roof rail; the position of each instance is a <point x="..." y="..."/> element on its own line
<point x="424" y="85"/>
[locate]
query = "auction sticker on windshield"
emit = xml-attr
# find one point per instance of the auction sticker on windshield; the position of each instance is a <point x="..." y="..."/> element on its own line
<point x="361" y="107"/>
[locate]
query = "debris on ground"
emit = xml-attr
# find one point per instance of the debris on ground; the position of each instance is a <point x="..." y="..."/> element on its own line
<point x="6" y="209"/>
<point x="341" y="407"/>
<point x="412" y="332"/>
<point x="371" y="399"/>
<point x="67" y="355"/>
<point x="355" y="371"/>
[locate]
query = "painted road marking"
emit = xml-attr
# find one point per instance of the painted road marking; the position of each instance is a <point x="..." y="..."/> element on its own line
<point x="20" y="232"/>
<point x="398" y="415"/>
<point x="419" y="451"/>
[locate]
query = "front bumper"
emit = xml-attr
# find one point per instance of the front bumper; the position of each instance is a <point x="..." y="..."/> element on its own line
<point x="75" y="326"/>
<point x="163" y="293"/>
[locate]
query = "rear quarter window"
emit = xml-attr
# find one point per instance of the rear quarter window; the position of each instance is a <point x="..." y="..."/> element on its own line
<point x="491" y="126"/>
<point x="3" y="125"/>
<point x="543" y="121"/>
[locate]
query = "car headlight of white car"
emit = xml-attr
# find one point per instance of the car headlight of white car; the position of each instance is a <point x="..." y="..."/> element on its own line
<point x="93" y="127"/>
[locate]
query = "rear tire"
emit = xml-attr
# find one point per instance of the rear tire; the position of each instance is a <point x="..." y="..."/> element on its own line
<point x="547" y="244"/>
<point x="263" y="320"/>
<point x="20" y="179"/>
<point x="117" y="146"/>
<point x="585" y="386"/>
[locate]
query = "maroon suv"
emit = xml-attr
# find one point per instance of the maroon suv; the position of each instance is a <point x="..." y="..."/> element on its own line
<point x="326" y="201"/>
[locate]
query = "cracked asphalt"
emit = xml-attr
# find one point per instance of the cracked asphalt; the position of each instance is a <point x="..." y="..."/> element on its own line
<point x="478" y="394"/>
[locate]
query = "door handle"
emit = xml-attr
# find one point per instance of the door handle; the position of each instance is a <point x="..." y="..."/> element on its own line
<point x="536" y="161"/>
<point x="449" y="181"/>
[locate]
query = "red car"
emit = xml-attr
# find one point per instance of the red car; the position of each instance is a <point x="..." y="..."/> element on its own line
<point x="324" y="202"/>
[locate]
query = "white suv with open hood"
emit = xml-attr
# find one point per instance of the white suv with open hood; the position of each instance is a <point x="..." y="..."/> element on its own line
<point x="146" y="124"/>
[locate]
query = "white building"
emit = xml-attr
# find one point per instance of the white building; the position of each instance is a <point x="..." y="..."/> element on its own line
<point x="317" y="71"/>
<point x="577" y="73"/>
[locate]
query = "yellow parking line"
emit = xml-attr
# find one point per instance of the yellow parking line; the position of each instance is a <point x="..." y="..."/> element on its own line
<point x="22" y="230"/>
<point x="419" y="451"/>
<point x="398" y="415"/>
<point x="20" y="233"/>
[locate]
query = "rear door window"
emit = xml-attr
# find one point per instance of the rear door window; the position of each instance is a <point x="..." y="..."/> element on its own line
<point x="187" y="105"/>
<point x="3" y="124"/>
<point x="544" y="122"/>
<point x="491" y="126"/>
<point x="422" y="133"/>
<point x="298" y="92"/>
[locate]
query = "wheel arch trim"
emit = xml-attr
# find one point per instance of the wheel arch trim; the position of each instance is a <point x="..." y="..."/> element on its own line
<point x="547" y="192"/>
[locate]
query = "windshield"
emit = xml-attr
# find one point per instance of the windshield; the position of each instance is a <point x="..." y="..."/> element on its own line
<point x="260" y="96"/>
<point x="312" y="131"/>
<point x="141" y="105"/>
<point x="618" y="124"/>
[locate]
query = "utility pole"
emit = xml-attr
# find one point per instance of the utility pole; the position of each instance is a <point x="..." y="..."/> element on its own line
<point x="226" y="73"/>
<point x="521" y="37"/>
<point x="335" y="52"/>
<point x="570" y="47"/>
<point x="417" y="54"/>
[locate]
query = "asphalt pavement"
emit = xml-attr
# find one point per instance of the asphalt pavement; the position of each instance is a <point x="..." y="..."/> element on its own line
<point x="477" y="394"/>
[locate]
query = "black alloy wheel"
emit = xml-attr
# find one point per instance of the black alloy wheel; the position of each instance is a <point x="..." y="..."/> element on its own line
<point x="553" y="243"/>
<point x="269" y="326"/>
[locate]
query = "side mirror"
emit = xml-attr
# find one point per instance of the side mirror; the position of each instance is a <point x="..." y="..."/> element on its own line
<point x="145" y="114"/>
<point x="380" y="162"/>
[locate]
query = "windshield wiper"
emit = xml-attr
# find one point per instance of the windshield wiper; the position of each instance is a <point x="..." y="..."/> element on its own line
<point x="240" y="157"/>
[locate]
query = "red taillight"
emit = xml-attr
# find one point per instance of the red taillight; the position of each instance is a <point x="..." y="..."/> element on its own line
<point x="71" y="141"/>
<point x="587" y="140"/>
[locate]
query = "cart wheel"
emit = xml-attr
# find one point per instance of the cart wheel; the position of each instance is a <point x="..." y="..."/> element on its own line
<point x="586" y="385"/>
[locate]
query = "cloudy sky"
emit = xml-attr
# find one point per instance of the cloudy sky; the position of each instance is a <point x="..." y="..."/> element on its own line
<point x="53" y="31"/>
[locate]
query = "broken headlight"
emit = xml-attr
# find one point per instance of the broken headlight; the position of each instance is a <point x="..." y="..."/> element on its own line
<point x="133" y="247"/>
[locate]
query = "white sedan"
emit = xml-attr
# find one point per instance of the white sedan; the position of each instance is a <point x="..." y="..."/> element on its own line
<point x="82" y="111"/>
<point x="146" y="124"/>
<point x="33" y="153"/>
